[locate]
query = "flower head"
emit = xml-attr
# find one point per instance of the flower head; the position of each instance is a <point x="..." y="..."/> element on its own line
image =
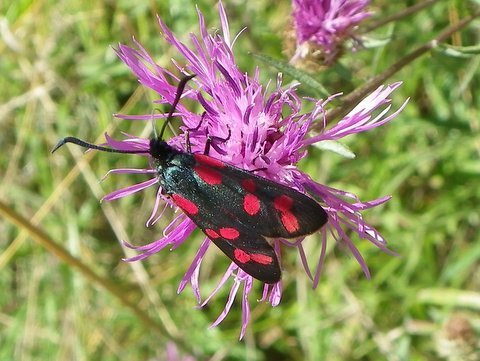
<point x="322" y="26"/>
<point x="264" y="131"/>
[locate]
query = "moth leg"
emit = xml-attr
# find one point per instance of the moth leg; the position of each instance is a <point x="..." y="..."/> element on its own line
<point x="197" y="127"/>
<point x="212" y="140"/>
<point x="187" y="132"/>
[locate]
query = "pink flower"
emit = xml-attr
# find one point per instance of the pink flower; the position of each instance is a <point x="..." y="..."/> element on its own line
<point x="269" y="135"/>
<point x="325" y="24"/>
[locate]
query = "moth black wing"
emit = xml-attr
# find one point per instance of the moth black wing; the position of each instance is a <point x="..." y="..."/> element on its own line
<point x="271" y="209"/>
<point x="238" y="210"/>
<point x="216" y="217"/>
<point x="249" y="250"/>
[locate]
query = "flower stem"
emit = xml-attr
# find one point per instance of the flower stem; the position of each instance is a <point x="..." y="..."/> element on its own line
<point x="399" y="15"/>
<point x="350" y="100"/>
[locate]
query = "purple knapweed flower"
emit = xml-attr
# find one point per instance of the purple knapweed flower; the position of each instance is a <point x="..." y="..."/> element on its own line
<point x="322" y="26"/>
<point x="265" y="132"/>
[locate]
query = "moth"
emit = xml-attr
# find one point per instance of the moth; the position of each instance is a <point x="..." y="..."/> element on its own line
<point x="236" y="209"/>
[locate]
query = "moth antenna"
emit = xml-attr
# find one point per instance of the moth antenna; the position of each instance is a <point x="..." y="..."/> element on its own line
<point x="87" y="145"/>
<point x="178" y="95"/>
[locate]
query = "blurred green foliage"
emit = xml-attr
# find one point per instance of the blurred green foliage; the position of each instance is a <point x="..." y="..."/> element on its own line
<point x="59" y="76"/>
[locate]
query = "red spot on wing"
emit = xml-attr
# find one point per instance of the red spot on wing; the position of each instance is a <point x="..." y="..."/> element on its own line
<point x="206" y="160"/>
<point x="249" y="185"/>
<point x="244" y="257"/>
<point x="241" y="256"/>
<point x="283" y="204"/>
<point x="251" y="204"/>
<point x="208" y="175"/>
<point x="290" y="222"/>
<point x="261" y="258"/>
<point x="211" y="233"/>
<point x="229" y="233"/>
<point x="188" y="206"/>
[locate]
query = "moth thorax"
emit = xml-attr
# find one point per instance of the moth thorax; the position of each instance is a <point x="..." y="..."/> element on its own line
<point x="159" y="150"/>
<point x="159" y="169"/>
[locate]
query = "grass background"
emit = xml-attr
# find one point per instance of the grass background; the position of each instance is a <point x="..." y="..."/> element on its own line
<point x="59" y="76"/>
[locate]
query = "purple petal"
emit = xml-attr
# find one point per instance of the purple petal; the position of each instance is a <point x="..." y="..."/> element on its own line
<point x="228" y="306"/>
<point x="321" y="260"/>
<point x="247" y="287"/>
<point x="191" y="274"/>
<point x="158" y="197"/>
<point x="224" y="279"/>
<point x="129" y="190"/>
<point x="127" y="171"/>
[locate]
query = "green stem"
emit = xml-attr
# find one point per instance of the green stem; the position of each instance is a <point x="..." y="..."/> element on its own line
<point x="352" y="99"/>
<point x="398" y="15"/>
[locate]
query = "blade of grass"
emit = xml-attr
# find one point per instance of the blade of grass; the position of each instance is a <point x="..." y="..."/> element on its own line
<point x="39" y="236"/>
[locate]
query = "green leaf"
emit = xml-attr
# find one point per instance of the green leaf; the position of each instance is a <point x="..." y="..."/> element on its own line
<point x="302" y="76"/>
<point x="458" y="51"/>
<point x="335" y="147"/>
<point x="372" y="43"/>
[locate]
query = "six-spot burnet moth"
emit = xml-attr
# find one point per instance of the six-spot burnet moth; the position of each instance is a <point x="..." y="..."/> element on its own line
<point x="236" y="209"/>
